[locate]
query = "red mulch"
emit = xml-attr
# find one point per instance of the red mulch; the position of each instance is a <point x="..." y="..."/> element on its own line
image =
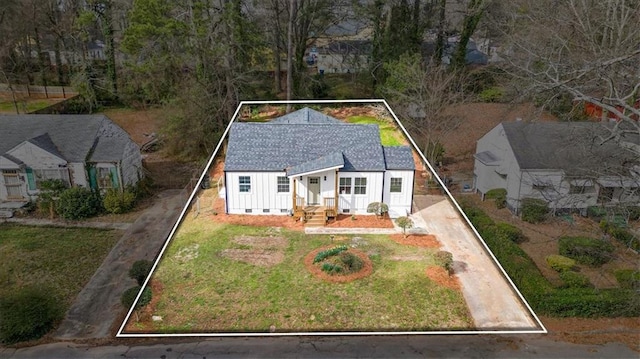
<point x="366" y="270"/>
<point x="361" y="221"/>
<point x="440" y="276"/>
<point x="147" y="312"/>
<point x="418" y="240"/>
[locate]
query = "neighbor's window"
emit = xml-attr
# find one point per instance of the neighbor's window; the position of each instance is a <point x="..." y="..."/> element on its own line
<point x="107" y="177"/>
<point x="283" y="184"/>
<point x="51" y="174"/>
<point x="540" y="186"/>
<point x="245" y="183"/>
<point x="345" y="186"/>
<point x="360" y="185"/>
<point x="395" y="185"/>
<point x="581" y="189"/>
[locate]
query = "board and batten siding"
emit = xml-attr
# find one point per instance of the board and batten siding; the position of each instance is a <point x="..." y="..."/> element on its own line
<point x="262" y="196"/>
<point x="357" y="203"/>
<point x="399" y="202"/>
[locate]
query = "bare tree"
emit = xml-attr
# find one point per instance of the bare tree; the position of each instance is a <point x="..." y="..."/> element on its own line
<point x="588" y="50"/>
<point x="420" y="94"/>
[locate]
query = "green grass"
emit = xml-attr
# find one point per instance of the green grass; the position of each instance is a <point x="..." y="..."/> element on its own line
<point x="59" y="258"/>
<point x="210" y="292"/>
<point x="29" y="106"/>
<point x="389" y="134"/>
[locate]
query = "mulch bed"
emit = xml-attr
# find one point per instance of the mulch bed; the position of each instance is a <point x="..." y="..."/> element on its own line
<point x="361" y="221"/>
<point x="146" y="312"/>
<point x="366" y="270"/>
<point x="440" y="276"/>
<point x="418" y="240"/>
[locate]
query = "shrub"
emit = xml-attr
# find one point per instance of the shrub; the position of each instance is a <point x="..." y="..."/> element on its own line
<point x="50" y="191"/>
<point x="329" y="252"/>
<point x="586" y="250"/>
<point x="117" y="202"/>
<point x="499" y="195"/>
<point x="628" y="278"/>
<point x="28" y="313"/>
<point x="352" y="262"/>
<point x="575" y="280"/>
<point x="129" y="296"/>
<point x="78" y="203"/>
<point x="492" y="94"/>
<point x="140" y="270"/>
<point x="534" y="210"/>
<point x="621" y="234"/>
<point x="511" y="232"/>
<point x="444" y="259"/>
<point x="560" y="263"/>
<point x="404" y="223"/>
<point x="596" y="212"/>
<point x="378" y="208"/>
<point x="331" y="268"/>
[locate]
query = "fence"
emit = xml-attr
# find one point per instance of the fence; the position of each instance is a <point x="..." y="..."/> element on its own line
<point x="34" y="91"/>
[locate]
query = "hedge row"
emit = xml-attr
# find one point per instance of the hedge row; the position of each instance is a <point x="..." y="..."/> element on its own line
<point x="541" y="295"/>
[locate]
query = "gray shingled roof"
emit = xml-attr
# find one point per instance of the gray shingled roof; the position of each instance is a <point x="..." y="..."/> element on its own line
<point x="399" y="158"/>
<point x="328" y="161"/>
<point x="275" y="147"/>
<point x="574" y="147"/>
<point x="306" y="116"/>
<point x="306" y="141"/>
<point x="73" y="136"/>
<point x="44" y="141"/>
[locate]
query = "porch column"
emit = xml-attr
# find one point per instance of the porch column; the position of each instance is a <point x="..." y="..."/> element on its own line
<point x="294" y="194"/>
<point x="335" y="190"/>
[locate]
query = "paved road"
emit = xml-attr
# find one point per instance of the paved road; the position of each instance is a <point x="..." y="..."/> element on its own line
<point x="492" y="302"/>
<point x="418" y="346"/>
<point x="94" y="310"/>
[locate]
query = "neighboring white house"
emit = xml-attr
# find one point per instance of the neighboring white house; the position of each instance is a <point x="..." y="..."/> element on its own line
<point x="307" y="159"/>
<point x="564" y="163"/>
<point x="81" y="150"/>
<point x="343" y="57"/>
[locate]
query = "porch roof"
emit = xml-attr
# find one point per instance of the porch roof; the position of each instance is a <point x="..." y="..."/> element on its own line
<point x="331" y="161"/>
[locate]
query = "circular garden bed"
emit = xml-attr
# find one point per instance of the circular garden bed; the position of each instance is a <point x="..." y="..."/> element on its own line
<point x="338" y="263"/>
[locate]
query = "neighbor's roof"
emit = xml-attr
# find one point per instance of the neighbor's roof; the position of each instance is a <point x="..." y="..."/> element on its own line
<point x="305" y="147"/>
<point x="575" y="147"/>
<point x="71" y="137"/>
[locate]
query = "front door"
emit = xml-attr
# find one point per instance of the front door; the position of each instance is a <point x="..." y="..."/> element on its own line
<point x="13" y="184"/>
<point x="313" y="188"/>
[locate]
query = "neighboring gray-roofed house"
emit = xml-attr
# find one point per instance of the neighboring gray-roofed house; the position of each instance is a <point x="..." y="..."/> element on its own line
<point x="308" y="158"/>
<point x="564" y="163"/>
<point x="81" y="150"/>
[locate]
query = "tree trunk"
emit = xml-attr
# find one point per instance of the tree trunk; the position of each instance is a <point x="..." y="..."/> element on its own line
<point x="292" y="15"/>
<point x="276" y="48"/>
<point x="471" y="20"/>
<point x="441" y="40"/>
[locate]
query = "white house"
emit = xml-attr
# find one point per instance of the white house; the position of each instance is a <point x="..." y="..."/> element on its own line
<point x="567" y="164"/>
<point x="307" y="161"/>
<point x="81" y="150"/>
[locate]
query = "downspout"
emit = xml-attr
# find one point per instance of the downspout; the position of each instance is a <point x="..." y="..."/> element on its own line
<point x="226" y="194"/>
<point x="413" y="193"/>
<point x="335" y="191"/>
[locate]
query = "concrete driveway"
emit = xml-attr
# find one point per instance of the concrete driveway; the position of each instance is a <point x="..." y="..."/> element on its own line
<point x="492" y="301"/>
<point x="94" y="310"/>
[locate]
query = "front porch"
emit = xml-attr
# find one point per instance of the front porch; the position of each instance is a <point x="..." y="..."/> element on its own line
<point x="315" y="215"/>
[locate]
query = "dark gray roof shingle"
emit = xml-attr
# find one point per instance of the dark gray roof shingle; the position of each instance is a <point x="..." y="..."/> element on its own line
<point x="575" y="147"/>
<point x="399" y="158"/>
<point x="328" y="161"/>
<point x="44" y="141"/>
<point x="306" y="116"/>
<point x="74" y="136"/>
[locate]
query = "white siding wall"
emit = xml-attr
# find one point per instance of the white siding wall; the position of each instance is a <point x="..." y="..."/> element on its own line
<point x="399" y="202"/>
<point x="357" y="203"/>
<point x="78" y="174"/>
<point x="35" y="157"/>
<point x="263" y="194"/>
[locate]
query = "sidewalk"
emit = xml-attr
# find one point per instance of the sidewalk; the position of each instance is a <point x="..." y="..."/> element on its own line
<point x="94" y="310"/>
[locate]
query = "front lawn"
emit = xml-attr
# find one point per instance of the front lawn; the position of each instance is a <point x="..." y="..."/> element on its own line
<point x="63" y="259"/>
<point x="389" y="134"/>
<point x="229" y="278"/>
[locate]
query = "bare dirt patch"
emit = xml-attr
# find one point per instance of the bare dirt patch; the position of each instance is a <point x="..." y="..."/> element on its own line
<point x="595" y="331"/>
<point x="366" y="270"/>
<point x="418" y="240"/>
<point x="364" y="221"/>
<point x="262" y="242"/>
<point x="441" y="277"/>
<point x="142" y="319"/>
<point x="258" y="257"/>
